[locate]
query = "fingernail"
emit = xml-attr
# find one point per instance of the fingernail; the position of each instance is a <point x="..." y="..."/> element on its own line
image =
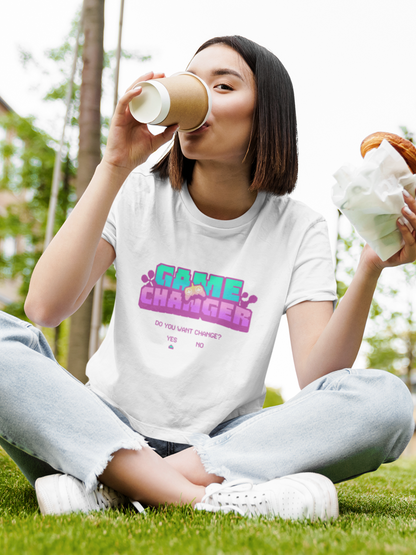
<point x="407" y="210"/>
<point x="406" y="193"/>
<point x="407" y="224"/>
<point x="401" y="221"/>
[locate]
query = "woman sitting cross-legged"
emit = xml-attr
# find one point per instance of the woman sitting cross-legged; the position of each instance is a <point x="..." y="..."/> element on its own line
<point x="210" y="252"/>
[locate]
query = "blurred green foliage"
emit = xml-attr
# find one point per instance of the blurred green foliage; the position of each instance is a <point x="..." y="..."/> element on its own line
<point x="273" y="398"/>
<point x="27" y="157"/>
<point x="27" y="167"/>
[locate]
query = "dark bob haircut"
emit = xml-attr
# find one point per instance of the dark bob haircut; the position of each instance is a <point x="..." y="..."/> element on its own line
<point x="273" y="145"/>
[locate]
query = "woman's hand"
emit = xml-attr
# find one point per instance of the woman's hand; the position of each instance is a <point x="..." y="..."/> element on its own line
<point x="130" y="142"/>
<point x="408" y="252"/>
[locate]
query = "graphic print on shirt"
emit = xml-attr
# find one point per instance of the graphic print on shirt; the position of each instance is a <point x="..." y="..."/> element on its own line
<point x="211" y="298"/>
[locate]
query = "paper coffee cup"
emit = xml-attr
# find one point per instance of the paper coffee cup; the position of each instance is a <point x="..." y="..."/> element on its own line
<point x="182" y="99"/>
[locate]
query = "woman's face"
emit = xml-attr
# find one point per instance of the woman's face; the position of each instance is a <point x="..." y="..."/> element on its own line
<point x="226" y="134"/>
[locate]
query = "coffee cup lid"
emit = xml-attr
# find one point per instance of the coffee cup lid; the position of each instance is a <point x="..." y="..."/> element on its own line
<point x="149" y="107"/>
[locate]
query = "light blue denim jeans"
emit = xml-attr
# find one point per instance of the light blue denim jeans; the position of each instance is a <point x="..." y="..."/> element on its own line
<point x="342" y="425"/>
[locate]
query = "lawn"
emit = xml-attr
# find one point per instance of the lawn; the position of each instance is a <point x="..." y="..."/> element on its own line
<point x="377" y="516"/>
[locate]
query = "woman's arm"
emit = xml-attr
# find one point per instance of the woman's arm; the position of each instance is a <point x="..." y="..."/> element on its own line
<point x="323" y="342"/>
<point x="73" y="261"/>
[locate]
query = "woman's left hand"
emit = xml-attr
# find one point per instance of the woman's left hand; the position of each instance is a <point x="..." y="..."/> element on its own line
<point x="408" y="252"/>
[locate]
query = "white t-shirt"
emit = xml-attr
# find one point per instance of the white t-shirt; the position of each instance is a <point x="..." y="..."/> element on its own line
<point x="199" y="302"/>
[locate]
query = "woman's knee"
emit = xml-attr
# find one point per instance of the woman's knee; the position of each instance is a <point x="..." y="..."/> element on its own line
<point x="398" y="402"/>
<point x="18" y="336"/>
<point x="394" y="413"/>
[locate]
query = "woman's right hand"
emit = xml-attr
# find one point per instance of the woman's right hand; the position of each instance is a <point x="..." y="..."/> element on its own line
<point x="130" y="142"/>
<point x="77" y="256"/>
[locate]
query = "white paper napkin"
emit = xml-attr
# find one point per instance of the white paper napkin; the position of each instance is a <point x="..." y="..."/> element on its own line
<point x="371" y="197"/>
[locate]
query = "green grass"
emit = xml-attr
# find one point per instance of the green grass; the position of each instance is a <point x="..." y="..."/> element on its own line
<point x="378" y="515"/>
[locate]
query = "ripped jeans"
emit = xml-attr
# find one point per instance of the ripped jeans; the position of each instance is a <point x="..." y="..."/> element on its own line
<point x="342" y="425"/>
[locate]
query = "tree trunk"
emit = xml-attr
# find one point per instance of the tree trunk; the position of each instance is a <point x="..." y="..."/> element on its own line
<point x="89" y="157"/>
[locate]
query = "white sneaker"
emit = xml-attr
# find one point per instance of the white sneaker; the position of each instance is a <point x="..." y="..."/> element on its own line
<point x="298" y="496"/>
<point x="61" y="493"/>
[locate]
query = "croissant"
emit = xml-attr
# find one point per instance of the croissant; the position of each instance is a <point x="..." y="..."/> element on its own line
<point x="404" y="147"/>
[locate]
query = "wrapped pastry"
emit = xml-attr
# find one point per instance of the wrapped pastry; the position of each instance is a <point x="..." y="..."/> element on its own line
<point x="405" y="148"/>
<point x="371" y="196"/>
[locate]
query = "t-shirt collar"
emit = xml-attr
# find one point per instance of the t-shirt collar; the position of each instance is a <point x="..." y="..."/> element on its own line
<point x="221" y="224"/>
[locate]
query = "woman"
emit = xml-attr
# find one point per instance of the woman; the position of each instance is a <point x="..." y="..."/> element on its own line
<point x="209" y="252"/>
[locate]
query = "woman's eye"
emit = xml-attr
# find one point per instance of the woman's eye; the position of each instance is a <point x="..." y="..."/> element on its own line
<point x="223" y="87"/>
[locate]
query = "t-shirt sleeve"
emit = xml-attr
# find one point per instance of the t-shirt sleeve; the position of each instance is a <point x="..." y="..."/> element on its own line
<point x="313" y="277"/>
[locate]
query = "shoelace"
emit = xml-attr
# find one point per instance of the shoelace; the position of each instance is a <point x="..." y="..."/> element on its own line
<point x="139" y="507"/>
<point x="104" y="496"/>
<point x="236" y="496"/>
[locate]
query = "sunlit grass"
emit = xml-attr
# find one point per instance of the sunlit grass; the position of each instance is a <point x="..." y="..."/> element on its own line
<point x="378" y="515"/>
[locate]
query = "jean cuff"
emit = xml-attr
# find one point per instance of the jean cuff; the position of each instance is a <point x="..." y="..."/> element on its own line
<point x="201" y="444"/>
<point x="134" y="444"/>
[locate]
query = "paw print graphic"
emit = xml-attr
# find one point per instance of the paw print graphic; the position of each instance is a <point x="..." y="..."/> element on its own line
<point x="244" y="301"/>
<point x="149" y="278"/>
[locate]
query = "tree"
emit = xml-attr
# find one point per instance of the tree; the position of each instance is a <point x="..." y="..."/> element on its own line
<point x="89" y="156"/>
<point x="13" y="177"/>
